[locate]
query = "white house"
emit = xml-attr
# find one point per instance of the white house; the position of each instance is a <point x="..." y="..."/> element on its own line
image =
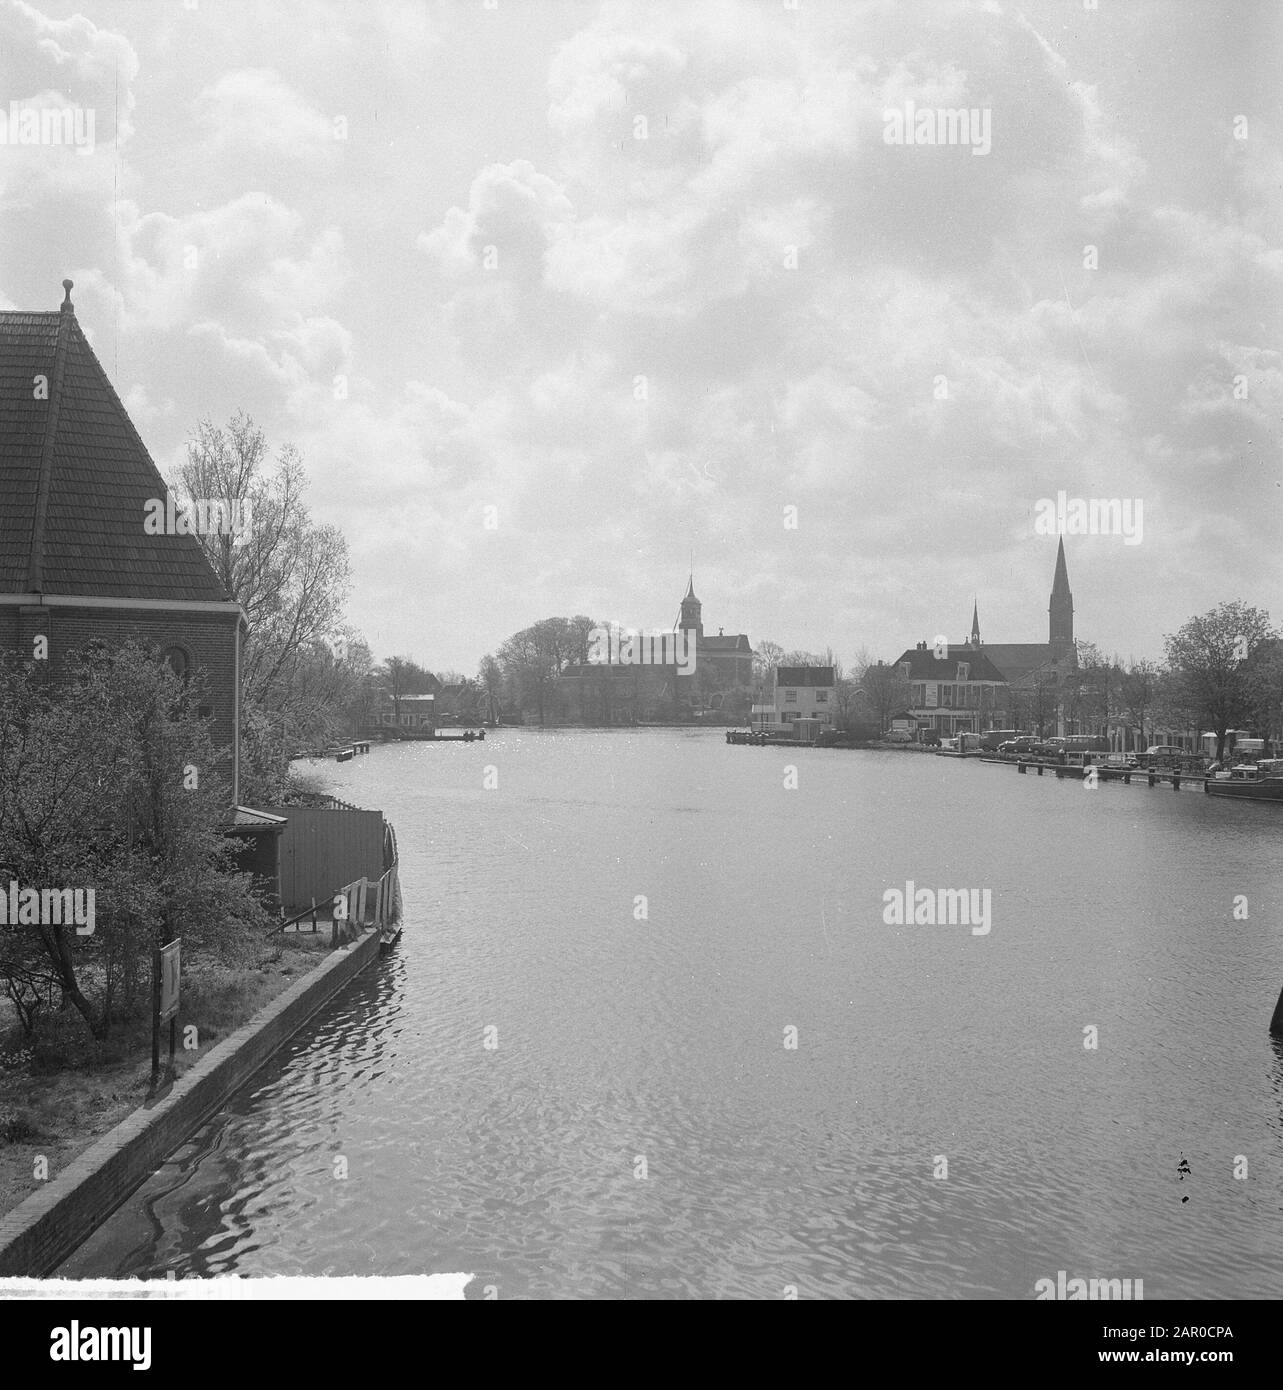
<point x="805" y="692"/>
<point x="409" y="712"/>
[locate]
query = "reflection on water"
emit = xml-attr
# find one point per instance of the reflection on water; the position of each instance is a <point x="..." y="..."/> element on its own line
<point x="638" y="918"/>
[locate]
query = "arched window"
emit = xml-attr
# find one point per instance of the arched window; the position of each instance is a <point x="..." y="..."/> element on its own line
<point x="178" y="661"/>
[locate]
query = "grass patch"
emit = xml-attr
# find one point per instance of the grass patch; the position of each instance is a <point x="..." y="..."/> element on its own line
<point x="62" y="1090"/>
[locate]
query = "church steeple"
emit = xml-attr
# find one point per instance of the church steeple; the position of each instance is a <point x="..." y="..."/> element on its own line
<point x="1060" y="610"/>
<point x="975" y="624"/>
<point x="690" y="618"/>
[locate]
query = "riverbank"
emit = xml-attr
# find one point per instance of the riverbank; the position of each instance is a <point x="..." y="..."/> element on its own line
<point x="44" y="1230"/>
<point x="57" y="1098"/>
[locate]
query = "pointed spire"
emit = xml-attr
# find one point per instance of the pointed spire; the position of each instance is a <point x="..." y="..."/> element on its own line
<point x="1060" y="610"/>
<point x="1060" y="585"/>
<point x="975" y="623"/>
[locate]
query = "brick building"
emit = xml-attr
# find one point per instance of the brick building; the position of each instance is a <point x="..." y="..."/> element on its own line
<point x="75" y="560"/>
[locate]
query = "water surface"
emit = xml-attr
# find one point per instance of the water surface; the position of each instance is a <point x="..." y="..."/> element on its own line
<point x="636" y="918"/>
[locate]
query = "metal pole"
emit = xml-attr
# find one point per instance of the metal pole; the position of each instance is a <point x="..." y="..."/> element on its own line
<point x="155" y="1016"/>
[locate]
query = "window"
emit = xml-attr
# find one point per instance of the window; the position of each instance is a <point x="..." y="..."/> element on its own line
<point x="964" y="671"/>
<point x="821" y="697"/>
<point x="178" y="661"/>
<point x="790" y="697"/>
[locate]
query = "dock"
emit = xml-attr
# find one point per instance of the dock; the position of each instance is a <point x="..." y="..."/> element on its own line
<point x="1150" y="776"/>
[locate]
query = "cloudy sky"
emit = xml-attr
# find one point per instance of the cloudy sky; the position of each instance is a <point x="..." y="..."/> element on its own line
<point x="641" y="279"/>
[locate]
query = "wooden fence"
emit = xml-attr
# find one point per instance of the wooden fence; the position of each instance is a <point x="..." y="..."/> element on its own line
<point x="323" y="847"/>
<point x="366" y="903"/>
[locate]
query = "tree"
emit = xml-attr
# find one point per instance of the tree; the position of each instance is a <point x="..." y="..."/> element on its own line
<point x="1265" y="689"/>
<point x="1093" y="694"/>
<point x="1137" y="692"/>
<point x="402" y="676"/>
<point x="289" y="574"/>
<point x="1211" y="659"/>
<point x="887" y="691"/>
<point x="767" y="659"/>
<point x="109" y="783"/>
<point x="490" y="679"/>
<point x="533" y="658"/>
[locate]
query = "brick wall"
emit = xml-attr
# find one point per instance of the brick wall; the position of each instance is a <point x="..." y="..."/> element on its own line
<point x="208" y="638"/>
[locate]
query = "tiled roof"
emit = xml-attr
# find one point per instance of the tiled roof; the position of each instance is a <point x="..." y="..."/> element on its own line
<point x="1017" y="659"/>
<point x="718" y="645"/>
<point x="804" y="675"/>
<point x="75" y="477"/>
<point x="925" y="666"/>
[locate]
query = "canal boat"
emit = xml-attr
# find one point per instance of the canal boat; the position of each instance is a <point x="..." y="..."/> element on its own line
<point x="1261" y="781"/>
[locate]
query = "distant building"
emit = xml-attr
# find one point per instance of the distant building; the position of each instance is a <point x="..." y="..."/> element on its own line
<point x="961" y="691"/>
<point x="730" y="659"/>
<point x="1041" y="674"/>
<point x="719" y="686"/>
<point x="1027" y="683"/>
<point x="805" y="692"/>
<point x="407" y="712"/>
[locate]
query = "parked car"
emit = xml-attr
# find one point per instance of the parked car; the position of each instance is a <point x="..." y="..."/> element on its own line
<point x="1022" y="746"/>
<point x="899" y="736"/>
<point x="929" y="738"/>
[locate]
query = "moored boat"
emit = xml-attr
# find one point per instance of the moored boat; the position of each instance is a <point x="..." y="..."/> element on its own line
<point x="1261" y="781"/>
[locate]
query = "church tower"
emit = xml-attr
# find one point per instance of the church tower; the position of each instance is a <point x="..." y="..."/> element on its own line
<point x="975" y="624"/>
<point x="690" y="619"/>
<point x="1060" y="610"/>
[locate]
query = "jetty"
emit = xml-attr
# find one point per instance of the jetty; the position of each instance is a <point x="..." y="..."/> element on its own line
<point x="438" y="736"/>
<point x="1105" y="772"/>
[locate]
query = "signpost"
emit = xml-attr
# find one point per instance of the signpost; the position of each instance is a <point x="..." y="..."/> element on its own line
<point x="166" y="975"/>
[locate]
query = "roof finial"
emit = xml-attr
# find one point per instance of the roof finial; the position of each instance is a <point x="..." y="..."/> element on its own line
<point x="68" y="286"/>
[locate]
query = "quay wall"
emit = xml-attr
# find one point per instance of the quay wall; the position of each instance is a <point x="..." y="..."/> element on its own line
<point x="41" y="1232"/>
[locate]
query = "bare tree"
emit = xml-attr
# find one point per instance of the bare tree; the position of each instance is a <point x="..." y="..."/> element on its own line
<point x="288" y="574"/>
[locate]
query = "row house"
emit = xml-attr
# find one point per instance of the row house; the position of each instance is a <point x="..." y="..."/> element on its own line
<point x="958" y="691"/>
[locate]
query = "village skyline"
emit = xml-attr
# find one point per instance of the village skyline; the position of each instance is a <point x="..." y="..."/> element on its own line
<point x="682" y="288"/>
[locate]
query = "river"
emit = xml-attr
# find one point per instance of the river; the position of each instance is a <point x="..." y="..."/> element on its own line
<point x="575" y="1076"/>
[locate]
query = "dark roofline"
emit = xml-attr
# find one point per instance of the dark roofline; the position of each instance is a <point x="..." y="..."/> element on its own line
<point x="801" y="675"/>
<point x="36" y="557"/>
<point x="43" y="453"/>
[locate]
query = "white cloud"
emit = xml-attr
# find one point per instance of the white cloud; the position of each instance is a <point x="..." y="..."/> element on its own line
<point x="253" y="107"/>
